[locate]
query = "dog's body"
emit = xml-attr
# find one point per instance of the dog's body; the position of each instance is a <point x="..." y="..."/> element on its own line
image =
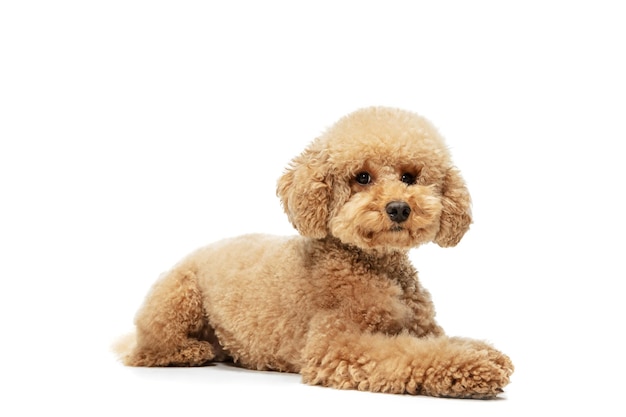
<point x="341" y="304"/>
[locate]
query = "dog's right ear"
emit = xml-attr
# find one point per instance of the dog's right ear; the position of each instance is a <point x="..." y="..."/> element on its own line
<point x="305" y="190"/>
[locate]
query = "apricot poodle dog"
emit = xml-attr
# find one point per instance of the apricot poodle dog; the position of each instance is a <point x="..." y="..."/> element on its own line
<point x="341" y="303"/>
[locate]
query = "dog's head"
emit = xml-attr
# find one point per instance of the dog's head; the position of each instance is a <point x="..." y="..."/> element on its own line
<point x="380" y="178"/>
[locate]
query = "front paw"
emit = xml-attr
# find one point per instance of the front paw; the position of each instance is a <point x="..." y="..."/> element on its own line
<point x="470" y="369"/>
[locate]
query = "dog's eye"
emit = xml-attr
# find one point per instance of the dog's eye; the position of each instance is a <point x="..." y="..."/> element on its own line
<point x="408" y="178"/>
<point x="363" y="178"/>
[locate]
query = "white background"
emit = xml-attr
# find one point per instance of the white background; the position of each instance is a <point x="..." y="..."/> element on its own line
<point x="133" y="132"/>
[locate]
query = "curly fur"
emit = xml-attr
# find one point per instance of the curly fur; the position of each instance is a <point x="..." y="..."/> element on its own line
<point x="341" y="303"/>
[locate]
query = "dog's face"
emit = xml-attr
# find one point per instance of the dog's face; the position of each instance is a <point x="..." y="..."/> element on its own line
<point x="380" y="178"/>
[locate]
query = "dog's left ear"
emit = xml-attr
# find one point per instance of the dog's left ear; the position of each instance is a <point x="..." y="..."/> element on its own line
<point x="305" y="192"/>
<point x="456" y="215"/>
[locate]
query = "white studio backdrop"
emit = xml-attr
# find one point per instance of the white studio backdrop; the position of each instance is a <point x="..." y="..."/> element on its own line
<point x="132" y="132"/>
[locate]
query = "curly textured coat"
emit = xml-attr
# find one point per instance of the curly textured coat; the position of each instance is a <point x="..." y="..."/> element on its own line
<point x="341" y="303"/>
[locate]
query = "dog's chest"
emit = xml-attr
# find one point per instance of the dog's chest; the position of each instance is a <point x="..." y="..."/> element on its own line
<point x="375" y="302"/>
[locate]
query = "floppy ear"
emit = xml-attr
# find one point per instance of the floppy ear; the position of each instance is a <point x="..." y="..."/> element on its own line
<point x="304" y="190"/>
<point x="456" y="215"/>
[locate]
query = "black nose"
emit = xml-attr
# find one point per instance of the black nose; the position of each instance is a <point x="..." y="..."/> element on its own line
<point x="398" y="211"/>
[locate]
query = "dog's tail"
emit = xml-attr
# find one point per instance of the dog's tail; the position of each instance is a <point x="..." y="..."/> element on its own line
<point x="123" y="346"/>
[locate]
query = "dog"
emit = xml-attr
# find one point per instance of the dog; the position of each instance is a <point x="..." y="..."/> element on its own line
<point x="340" y="303"/>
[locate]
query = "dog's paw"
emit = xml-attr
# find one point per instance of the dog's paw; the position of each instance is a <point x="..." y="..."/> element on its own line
<point x="191" y="353"/>
<point x="475" y="370"/>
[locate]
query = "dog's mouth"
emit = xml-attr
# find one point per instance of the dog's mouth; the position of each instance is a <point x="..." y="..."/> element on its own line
<point x="394" y="230"/>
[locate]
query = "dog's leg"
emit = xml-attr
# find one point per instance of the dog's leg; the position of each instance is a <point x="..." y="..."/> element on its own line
<point x="171" y="326"/>
<point x="342" y="357"/>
